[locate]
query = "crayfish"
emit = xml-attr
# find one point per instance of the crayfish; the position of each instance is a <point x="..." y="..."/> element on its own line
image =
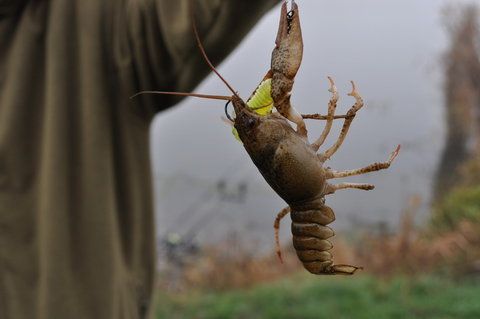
<point x="290" y="164"/>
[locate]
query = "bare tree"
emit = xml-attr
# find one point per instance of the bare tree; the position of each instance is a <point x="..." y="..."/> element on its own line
<point x="462" y="99"/>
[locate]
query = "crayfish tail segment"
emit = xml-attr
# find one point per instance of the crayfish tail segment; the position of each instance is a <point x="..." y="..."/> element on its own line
<point x="344" y="269"/>
<point x="328" y="268"/>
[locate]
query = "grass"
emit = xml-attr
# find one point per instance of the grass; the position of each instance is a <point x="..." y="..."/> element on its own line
<point x="305" y="296"/>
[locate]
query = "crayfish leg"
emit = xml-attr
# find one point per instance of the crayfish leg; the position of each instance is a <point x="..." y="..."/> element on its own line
<point x="276" y="226"/>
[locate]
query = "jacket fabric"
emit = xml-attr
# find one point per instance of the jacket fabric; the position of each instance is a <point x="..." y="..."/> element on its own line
<point x="76" y="218"/>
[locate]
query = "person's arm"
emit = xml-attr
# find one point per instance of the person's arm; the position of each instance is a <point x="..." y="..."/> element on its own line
<point x="163" y="49"/>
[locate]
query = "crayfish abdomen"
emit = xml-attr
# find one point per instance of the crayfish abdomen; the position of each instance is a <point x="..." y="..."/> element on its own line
<point x="310" y="238"/>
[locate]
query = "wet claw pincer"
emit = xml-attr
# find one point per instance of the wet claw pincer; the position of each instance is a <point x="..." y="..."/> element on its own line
<point x="286" y="59"/>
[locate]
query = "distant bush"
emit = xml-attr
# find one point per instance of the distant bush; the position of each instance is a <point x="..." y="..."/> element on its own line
<point x="461" y="204"/>
<point x="470" y="172"/>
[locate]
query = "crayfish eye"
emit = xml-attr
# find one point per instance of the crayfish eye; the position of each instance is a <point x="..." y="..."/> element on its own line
<point x="290" y="15"/>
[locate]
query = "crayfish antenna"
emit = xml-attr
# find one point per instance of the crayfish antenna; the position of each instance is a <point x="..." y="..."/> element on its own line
<point x="205" y="96"/>
<point x="209" y="63"/>
<point x="204" y="54"/>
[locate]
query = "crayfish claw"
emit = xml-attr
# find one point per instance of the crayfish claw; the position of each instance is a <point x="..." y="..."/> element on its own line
<point x="282" y="26"/>
<point x="358" y="99"/>
<point x="354" y="92"/>
<point x="286" y="59"/>
<point x="288" y="52"/>
<point x="333" y="88"/>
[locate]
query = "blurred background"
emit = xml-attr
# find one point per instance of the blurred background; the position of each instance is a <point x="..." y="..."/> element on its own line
<point x="417" y="66"/>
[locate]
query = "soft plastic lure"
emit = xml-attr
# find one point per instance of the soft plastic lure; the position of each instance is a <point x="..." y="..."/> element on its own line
<point x="261" y="101"/>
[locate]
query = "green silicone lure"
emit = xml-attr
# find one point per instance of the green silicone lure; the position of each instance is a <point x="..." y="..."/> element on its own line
<point x="261" y="101"/>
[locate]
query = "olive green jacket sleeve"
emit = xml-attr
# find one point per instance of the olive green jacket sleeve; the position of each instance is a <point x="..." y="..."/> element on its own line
<point x="77" y="230"/>
<point x="162" y="47"/>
